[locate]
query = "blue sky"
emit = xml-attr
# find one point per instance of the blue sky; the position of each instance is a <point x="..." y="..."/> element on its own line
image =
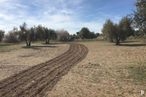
<point x="70" y="15"/>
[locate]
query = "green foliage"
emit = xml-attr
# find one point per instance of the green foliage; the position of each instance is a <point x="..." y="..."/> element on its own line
<point x="140" y="15"/>
<point x="36" y="33"/>
<point x="138" y="73"/>
<point x="49" y="34"/>
<point x="1" y="35"/>
<point x="27" y="34"/>
<point x="108" y="30"/>
<point x="86" y="34"/>
<point x="23" y="32"/>
<point x="40" y="32"/>
<point x="125" y="27"/>
<point x="12" y="36"/>
<point x="118" y="32"/>
<point x="124" y="30"/>
<point x="43" y="33"/>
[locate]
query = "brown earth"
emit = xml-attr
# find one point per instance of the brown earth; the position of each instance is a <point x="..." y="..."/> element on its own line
<point x="107" y="71"/>
<point x="15" y="58"/>
<point x="35" y="81"/>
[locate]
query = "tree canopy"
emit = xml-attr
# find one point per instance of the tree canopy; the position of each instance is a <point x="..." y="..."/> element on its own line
<point x="108" y="30"/>
<point x="118" y="32"/>
<point x="85" y="33"/>
<point x="140" y="15"/>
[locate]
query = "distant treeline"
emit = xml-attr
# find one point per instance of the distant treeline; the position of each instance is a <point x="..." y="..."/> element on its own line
<point x="131" y="25"/>
<point x="40" y="33"/>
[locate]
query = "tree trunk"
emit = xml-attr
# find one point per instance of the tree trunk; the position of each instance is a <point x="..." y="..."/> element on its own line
<point x="29" y="43"/>
<point x="117" y="41"/>
<point x="47" y="41"/>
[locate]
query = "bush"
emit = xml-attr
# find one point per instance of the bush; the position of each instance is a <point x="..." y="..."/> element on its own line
<point x="63" y="35"/>
<point x="85" y="33"/>
<point x="1" y="35"/>
<point x="11" y="37"/>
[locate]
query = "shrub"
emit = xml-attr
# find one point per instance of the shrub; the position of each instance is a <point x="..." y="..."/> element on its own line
<point x="11" y="37"/>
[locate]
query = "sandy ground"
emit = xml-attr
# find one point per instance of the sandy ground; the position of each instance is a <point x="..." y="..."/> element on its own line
<point x="104" y="73"/>
<point x="14" y="59"/>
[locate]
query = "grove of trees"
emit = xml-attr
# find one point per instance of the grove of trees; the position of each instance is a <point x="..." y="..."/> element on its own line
<point x="118" y="32"/>
<point x="127" y="26"/>
<point x="36" y="33"/>
<point x="28" y="35"/>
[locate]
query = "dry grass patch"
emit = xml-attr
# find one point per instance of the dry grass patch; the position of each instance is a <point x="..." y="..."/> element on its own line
<point x="16" y="57"/>
<point x="104" y="73"/>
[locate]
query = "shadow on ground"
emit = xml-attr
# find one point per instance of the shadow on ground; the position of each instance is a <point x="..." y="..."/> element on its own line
<point x="130" y="41"/>
<point x="6" y="44"/>
<point x="54" y="43"/>
<point x="133" y="45"/>
<point x="38" y="47"/>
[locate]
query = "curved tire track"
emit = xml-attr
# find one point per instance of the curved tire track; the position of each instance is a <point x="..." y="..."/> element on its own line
<point x="35" y="81"/>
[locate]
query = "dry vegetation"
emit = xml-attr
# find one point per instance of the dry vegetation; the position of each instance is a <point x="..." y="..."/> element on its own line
<point x="107" y="71"/>
<point x="15" y="57"/>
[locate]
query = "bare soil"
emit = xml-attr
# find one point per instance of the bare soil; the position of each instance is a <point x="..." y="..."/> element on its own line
<point x="107" y="71"/>
<point x="35" y="81"/>
<point x="15" y="58"/>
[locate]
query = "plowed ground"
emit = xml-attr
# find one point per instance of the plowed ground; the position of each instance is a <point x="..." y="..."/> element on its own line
<point x="35" y="81"/>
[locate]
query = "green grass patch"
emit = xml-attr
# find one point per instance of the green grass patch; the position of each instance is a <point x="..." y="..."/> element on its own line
<point x="7" y="47"/>
<point x="138" y="73"/>
<point x="5" y="44"/>
<point x="85" y="40"/>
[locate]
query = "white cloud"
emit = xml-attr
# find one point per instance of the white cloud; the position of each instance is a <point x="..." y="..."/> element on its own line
<point x="3" y="1"/>
<point x="57" y="14"/>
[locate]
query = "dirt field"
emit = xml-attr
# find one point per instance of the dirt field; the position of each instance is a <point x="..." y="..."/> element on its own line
<point x="35" y="81"/>
<point x="107" y="71"/>
<point x="15" y="58"/>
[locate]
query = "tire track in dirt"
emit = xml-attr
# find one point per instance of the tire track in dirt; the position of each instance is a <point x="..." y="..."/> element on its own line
<point x="31" y="70"/>
<point x="34" y="82"/>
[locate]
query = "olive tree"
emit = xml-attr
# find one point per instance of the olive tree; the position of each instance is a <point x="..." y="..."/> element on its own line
<point x="118" y="32"/>
<point x="27" y="34"/>
<point x="49" y="34"/>
<point x="108" y="30"/>
<point x="140" y="15"/>
<point x="1" y="35"/>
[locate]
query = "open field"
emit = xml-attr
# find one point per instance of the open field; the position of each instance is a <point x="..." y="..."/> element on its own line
<point x="107" y="71"/>
<point x="73" y="48"/>
<point x="15" y="57"/>
<point x="35" y="81"/>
